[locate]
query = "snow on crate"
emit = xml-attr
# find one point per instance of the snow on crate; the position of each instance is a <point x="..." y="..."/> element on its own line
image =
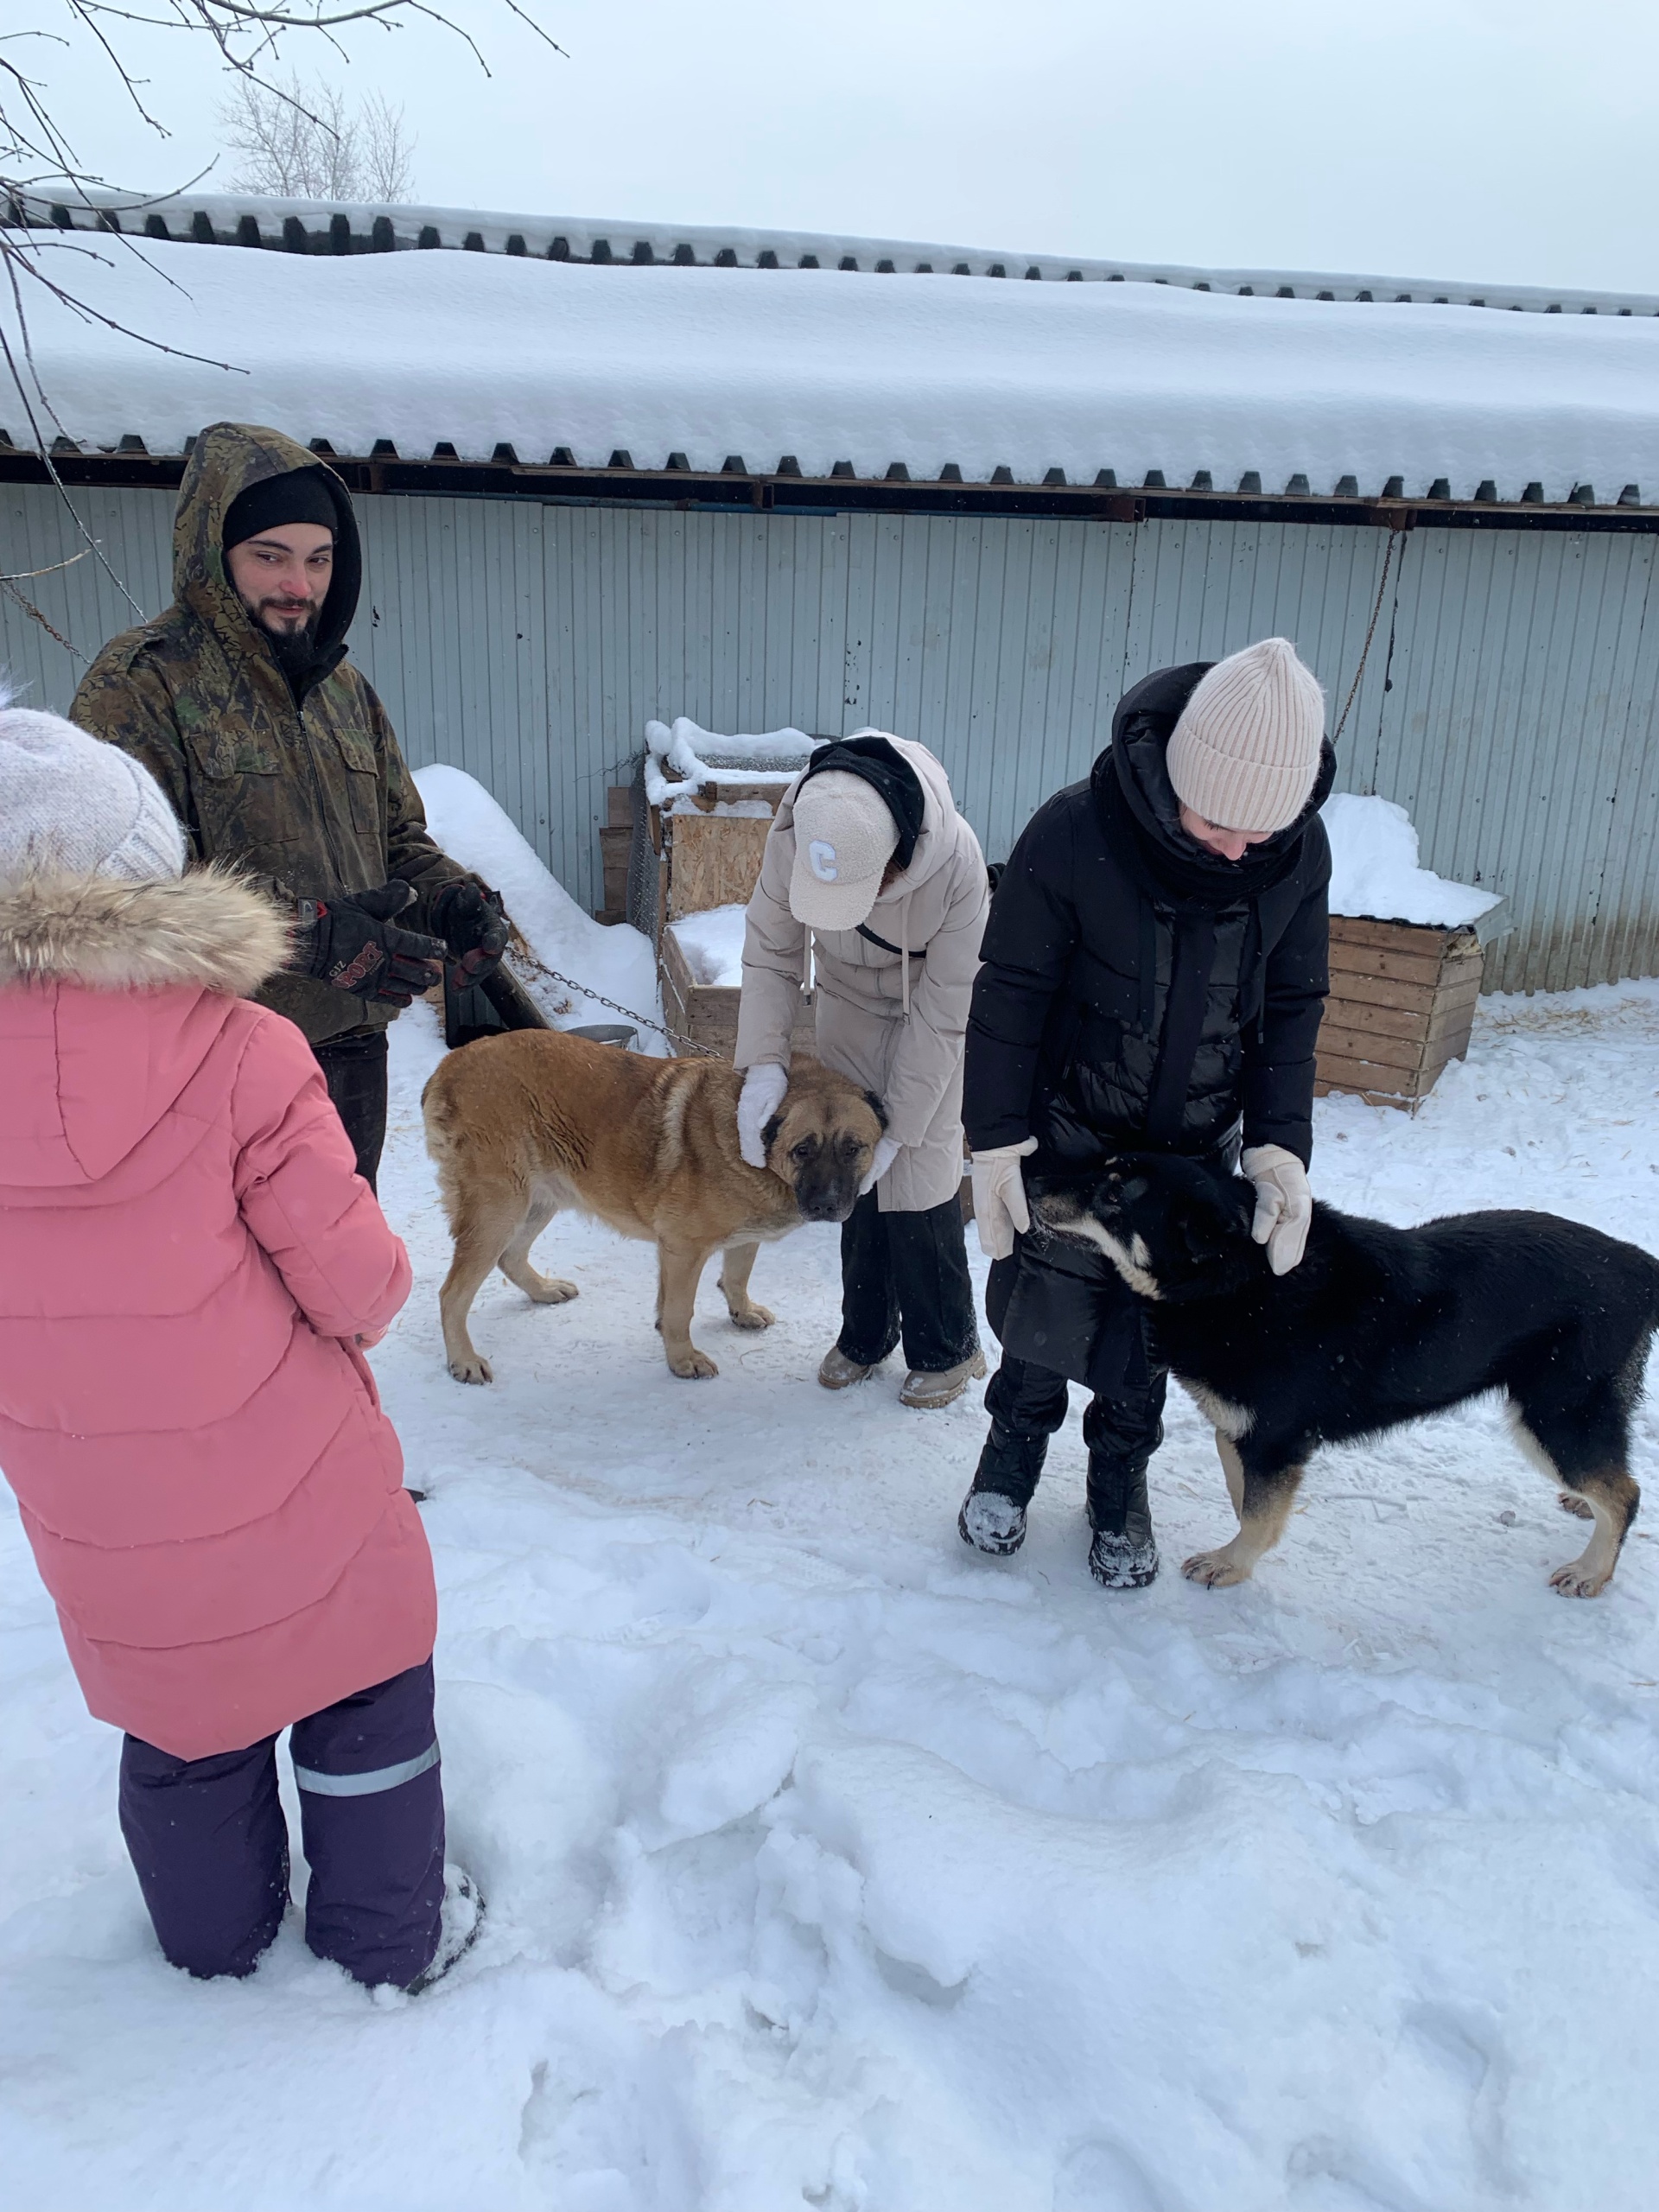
<point x="616" y="962"/>
<point x="1375" y="870"/>
<point x="682" y="760"/>
<point x="712" y="944"/>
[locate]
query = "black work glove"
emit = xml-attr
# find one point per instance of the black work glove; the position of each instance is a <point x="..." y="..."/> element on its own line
<point x="473" y="923"/>
<point x="351" y="942"/>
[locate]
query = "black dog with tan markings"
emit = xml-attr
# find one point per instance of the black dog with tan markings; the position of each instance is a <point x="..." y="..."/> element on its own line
<point x="1378" y="1325"/>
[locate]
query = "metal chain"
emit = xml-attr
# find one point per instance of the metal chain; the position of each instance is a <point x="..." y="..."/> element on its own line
<point x="528" y="959"/>
<point x="1395" y="538"/>
<point x="33" y="612"/>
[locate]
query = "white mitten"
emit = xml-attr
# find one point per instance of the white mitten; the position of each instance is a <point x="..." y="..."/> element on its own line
<point x="1284" y="1204"/>
<point x="886" y="1151"/>
<point x="763" y="1094"/>
<point x="1000" y="1208"/>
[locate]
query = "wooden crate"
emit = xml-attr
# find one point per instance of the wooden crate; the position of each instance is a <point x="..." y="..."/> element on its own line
<point x="715" y="861"/>
<point x="1401" y="1004"/>
<point x="706" y="1012"/>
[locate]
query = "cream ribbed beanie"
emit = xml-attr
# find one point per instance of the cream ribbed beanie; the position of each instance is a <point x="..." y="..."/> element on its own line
<point x="74" y="805"/>
<point x="1245" y="751"/>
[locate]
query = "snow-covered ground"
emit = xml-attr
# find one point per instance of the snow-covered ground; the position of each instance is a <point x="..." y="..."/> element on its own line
<point x="830" y="1864"/>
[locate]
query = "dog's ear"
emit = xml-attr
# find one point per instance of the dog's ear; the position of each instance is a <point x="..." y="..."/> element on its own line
<point x="769" y="1135"/>
<point x="1210" y="1228"/>
<point x="877" y="1108"/>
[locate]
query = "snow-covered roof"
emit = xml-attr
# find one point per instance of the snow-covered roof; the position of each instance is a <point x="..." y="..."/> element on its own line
<point x="365" y="227"/>
<point x="818" y="372"/>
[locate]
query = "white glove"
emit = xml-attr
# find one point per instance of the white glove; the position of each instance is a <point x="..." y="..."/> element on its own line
<point x="888" y="1149"/>
<point x="763" y="1094"/>
<point x="1284" y="1205"/>
<point x="1000" y="1208"/>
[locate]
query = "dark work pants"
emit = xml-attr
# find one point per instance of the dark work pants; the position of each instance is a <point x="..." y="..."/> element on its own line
<point x="906" y="1274"/>
<point x="210" y="1847"/>
<point x="1121" y="1431"/>
<point x="354" y="1068"/>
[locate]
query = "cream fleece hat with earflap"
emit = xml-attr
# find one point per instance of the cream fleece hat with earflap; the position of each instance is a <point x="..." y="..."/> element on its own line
<point x="845" y="834"/>
<point x="71" y="804"/>
<point x="1245" y="750"/>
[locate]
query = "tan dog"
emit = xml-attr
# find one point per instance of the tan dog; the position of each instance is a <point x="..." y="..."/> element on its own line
<point x="523" y="1125"/>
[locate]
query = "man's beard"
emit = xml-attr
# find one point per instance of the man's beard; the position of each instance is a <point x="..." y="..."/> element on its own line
<point x="294" y="649"/>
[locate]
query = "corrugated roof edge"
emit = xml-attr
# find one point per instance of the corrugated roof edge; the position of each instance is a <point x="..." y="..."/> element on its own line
<point x="355" y="226"/>
<point x="564" y="480"/>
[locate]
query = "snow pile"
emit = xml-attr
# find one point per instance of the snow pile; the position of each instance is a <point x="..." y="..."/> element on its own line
<point x="829" y="365"/>
<point x="712" y="944"/>
<point x="1374" y="868"/>
<point x="830" y="1863"/>
<point x="617" y="963"/>
<point x="681" y="760"/>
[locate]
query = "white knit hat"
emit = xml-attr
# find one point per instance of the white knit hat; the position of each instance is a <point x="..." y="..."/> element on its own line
<point x="1245" y="751"/>
<point x="72" y="804"/>
<point x="845" y="834"/>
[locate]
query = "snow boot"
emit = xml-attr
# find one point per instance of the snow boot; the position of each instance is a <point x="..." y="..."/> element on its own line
<point x="463" y="1917"/>
<point x="942" y="1387"/>
<point x="1124" y="1553"/>
<point x="837" y="1372"/>
<point x="992" y="1515"/>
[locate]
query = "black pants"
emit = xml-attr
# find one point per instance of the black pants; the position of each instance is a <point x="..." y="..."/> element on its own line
<point x="209" y="1843"/>
<point x="1031" y="1401"/>
<point x="906" y="1274"/>
<point x="354" y="1068"/>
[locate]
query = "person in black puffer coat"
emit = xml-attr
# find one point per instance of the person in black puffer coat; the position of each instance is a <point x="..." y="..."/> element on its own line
<point x="1155" y="971"/>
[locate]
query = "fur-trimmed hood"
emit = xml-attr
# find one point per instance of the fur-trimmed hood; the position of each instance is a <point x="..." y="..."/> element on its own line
<point x="111" y="998"/>
<point x="207" y="928"/>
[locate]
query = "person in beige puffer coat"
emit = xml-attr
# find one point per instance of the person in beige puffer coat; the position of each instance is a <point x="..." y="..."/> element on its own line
<point x="874" y="884"/>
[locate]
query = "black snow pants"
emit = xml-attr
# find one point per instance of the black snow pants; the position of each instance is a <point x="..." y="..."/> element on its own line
<point x="209" y="1843"/>
<point x="906" y="1275"/>
<point x="1121" y="1431"/>
<point x="354" y="1068"/>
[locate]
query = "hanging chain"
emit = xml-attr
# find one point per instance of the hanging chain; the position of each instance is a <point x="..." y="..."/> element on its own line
<point x="527" y="959"/>
<point x="1395" y="538"/>
<point x="34" y="614"/>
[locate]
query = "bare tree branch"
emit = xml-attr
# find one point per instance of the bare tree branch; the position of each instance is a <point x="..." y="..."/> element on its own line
<point x="371" y="148"/>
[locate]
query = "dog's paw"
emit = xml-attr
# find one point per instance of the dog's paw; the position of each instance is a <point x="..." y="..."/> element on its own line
<point x="1215" y="1570"/>
<point x="1577" y="1581"/>
<point x="753" y="1317"/>
<point x="475" y="1369"/>
<point x="1580" y="1508"/>
<point x="551" y="1290"/>
<point x="695" y="1367"/>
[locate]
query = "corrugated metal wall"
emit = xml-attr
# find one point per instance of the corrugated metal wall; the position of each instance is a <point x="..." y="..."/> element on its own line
<point x="1509" y="702"/>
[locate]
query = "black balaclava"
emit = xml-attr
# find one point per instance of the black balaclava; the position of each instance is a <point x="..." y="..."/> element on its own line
<point x="300" y="495"/>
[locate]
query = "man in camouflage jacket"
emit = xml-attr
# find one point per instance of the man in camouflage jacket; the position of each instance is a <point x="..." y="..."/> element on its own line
<point x="279" y="759"/>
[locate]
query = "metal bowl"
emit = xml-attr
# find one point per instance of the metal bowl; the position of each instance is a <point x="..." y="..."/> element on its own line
<point x="606" y="1033"/>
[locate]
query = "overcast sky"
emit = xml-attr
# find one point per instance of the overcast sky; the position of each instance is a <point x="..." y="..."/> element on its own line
<point x="1498" y="139"/>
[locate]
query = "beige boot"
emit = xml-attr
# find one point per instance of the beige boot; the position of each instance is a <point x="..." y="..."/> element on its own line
<point x="837" y="1372"/>
<point x="941" y="1389"/>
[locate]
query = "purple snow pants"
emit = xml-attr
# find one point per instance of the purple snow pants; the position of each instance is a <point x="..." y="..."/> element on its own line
<point x="210" y="1845"/>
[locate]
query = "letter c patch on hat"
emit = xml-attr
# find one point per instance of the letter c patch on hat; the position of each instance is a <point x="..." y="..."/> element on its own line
<point x="821" y="857"/>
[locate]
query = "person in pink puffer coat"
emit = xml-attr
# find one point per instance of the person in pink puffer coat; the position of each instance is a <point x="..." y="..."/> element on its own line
<point x="189" y="1266"/>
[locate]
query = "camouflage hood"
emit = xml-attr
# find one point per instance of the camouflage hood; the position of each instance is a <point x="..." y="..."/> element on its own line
<point x="300" y="787"/>
<point x="226" y="459"/>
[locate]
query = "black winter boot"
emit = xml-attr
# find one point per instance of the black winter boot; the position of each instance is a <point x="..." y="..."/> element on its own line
<point x="1124" y="1553"/>
<point x="992" y="1515"/>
